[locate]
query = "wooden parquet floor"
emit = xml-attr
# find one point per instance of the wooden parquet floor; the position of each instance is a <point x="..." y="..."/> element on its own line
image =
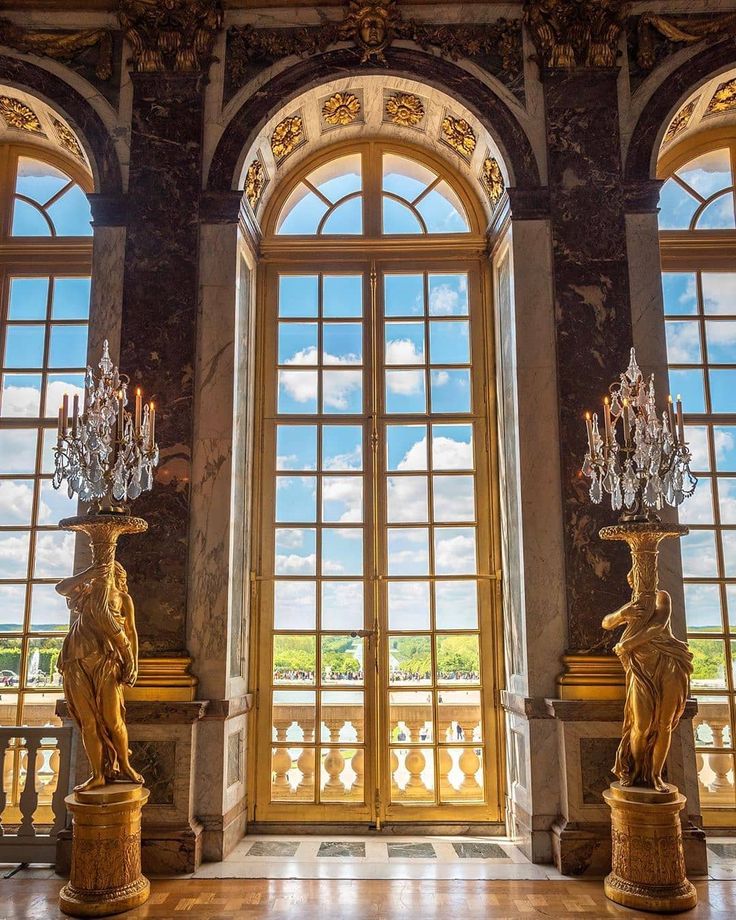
<point x="254" y="899"/>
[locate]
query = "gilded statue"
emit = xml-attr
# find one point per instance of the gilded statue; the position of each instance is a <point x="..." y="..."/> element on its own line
<point x="657" y="665"/>
<point x="99" y="656"/>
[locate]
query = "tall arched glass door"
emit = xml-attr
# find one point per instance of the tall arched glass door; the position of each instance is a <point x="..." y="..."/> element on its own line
<point x="375" y="556"/>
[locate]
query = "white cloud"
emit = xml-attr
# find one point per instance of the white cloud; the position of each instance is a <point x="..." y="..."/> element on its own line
<point x="55" y="393"/>
<point x="352" y="460"/>
<point x="54" y="554"/>
<point x="407" y="499"/>
<point x="454" y="553"/>
<point x="308" y="355"/>
<point x="345" y="494"/>
<point x="719" y="292"/>
<point x="21" y="402"/>
<point x="338" y="387"/>
<point x="440" y="378"/>
<point x="448" y="454"/>
<point x="300" y="385"/>
<point x="453" y="498"/>
<point x="347" y="358"/>
<point x="444" y="299"/>
<point x="13" y="555"/>
<point x="293" y="564"/>
<point x="403" y="351"/>
<point x="724" y="443"/>
<point x="683" y="343"/>
<point x="405" y="383"/>
<point x="16" y="499"/>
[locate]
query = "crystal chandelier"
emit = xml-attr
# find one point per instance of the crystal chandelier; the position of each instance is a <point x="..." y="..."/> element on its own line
<point x="107" y="455"/>
<point x="652" y="465"/>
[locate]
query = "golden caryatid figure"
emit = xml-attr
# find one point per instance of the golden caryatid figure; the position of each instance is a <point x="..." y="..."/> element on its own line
<point x="657" y="665"/>
<point x="100" y="652"/>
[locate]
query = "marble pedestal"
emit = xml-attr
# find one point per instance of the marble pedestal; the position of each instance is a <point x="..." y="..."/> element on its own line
<point x="648" y="861"/>
<point x="106" y="875"/>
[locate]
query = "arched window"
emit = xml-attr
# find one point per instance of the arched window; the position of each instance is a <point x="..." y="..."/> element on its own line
<point x="375" y="559"/>
<point x="698" y="245"/>
<point x="45" y="259"/>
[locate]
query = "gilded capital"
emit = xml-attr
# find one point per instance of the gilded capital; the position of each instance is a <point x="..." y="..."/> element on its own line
<point x="576" y="33"/>
<point x="171" y="35"/>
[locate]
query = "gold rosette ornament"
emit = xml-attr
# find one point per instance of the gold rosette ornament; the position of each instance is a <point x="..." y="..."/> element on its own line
<point x="405" y="109"/>
<point x="287" y="135"/>
<point x="341" y="109"/>
<point x="17" y="114"/>
<point x="459" y="135"/>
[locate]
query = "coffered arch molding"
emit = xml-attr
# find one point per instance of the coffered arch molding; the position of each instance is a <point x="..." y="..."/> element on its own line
<point x="86" y="122"/>
<point x="498" y="119"/>
<point x="646" y="139"/>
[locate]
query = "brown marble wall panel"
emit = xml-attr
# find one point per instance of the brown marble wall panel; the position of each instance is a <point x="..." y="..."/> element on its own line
<point x="593" y="322"/>
<point x="158" y="336"/>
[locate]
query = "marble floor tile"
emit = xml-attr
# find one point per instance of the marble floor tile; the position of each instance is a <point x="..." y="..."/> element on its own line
<point x="274" y="848"/>
<point x="471" y="849"/>
<point x="341" y="848"/>
<point x="722" y="850"/>
<point x="411" y="851"/>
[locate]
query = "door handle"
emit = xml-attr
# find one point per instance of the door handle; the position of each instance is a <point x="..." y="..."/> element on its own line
<point x="362" y="633"/>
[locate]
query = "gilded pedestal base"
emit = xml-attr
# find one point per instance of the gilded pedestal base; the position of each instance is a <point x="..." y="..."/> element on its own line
<point x="648" y="863"/>
<point x="105" y="873"/>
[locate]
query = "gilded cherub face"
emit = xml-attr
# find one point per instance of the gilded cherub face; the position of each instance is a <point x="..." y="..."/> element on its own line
<point x="372" y="29"/>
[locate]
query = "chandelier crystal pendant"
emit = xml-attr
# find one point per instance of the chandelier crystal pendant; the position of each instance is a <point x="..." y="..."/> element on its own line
<point x="106" y="454"/>
<point x="648" y="463"/>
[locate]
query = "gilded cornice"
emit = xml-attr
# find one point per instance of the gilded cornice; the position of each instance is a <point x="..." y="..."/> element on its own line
<point x="176" y="36"/>
<point x="575" y="33"/>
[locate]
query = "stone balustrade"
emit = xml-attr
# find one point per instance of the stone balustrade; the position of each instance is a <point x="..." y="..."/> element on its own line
<point x="717" y="786"/>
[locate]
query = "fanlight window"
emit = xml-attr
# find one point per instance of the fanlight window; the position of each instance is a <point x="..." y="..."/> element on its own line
<point x="414" y="200"/>
<point x="700" y="194"/>
<point x="47" y="202"/>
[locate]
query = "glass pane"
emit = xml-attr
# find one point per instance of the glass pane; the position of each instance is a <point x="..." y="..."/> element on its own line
<point x="54" y="554"/>
<point x="301" y="214"/>
<point x="409" y="659"/>
<point x="697" y="439"/>
<point x="456" y="604"/>
<point x="404" y="343"/>
<point x="442" y="211"/>
<point x="454" y="551"/>
<point x="452" y="447"/>
<point x="728" y="539"/>
<point x="724" y="437"/>
<point x="719" y="292"/>
<point x="688" y="385"/>
<point x="683" y="342"/>
<point x="458" y="659"/>
<point x="41" y="662"/>
<point x="49" y="610"/>
<point x="294" y="715"/>
<point x="68" y="346"/>
<point x="403" y="295"/>
<point x="14" y="546"/>
<point x="459" y="715"/>
<point x="405" y="392"/>
<point x="719" y="215"/>
<point x="453" y="498"/>
<point x="676" y="207"/>
<point x="399" y="218"/>
<point x="342" y="447"/>
<point x="405" y="177"/>
<point x="296" y="551"/>
<point x="9" y="663"/>
<point x="703" y="608"/>
<point x="448" y="295"/>
<point x="407" y="499"/>
<point x="298" y="295"/>
<point x="71" y="214"/>
<point x="450" y="391"/>
<point x="720" y="338"/>
<point x="296" y="499"/>
<point x="24" y="346"/>
<point x="59" y="385"/>
<point x="296" y="447"/>
<point x="707" y="173"/>
<point x="342" y="605"/>
<point x="342" y="499"/>
<point x="412" y="775"/>
<point x="731" y="604"/>
<point x="297" y="343"/>
<point x="18" y="450"/>
<point x="727" y="500"/>
<point x="39" y="181"/>
<point x="28" y="220"/>
<point x="346" y="219"/>
<point x="292" y="774"/>
<point x="698" y="509"/>
<point x="55" y="504"/>
<point x="294" y="605"/>
<point x="722" y="390"/>
<point x="410" y="717"/>
<point x="28" y="298"/>
<point x="714" y="718"/>
<point x="342" y="659"/>
<point x="294" y="659"/>
<point x="12" y="611"/>
<point x="339" y="177"/>
<point x="461" y="775"/>
<point x="406" y="447"/>
<point x="408" y="605"/>
<point x="342" y="551"/>
<point x="408" y="551"/>
<point x="71" y="298"/>
<point x="297" y="392"/>
<point x="49" y="440"/>
<point x="341" y="775"/>
<point x="342" y="343"/>
<point x="680" y="292"/>
<point x="709" y="663"/>
<point x="699" y="554"/>
<point x="21" y="396"/>
<point x="343" y="715"/>
<point x="342" y="295"/>
<point x="449" y="342"/>
<point x="342" y="392"/>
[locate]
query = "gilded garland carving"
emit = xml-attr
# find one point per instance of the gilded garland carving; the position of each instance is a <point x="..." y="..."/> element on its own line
<point x="61" y="46"/>
<point x="287" y="135"/>
<point x="458" y="134"/>
<point x="724" y="98"/>
<point x="16" y="114"/>
<point x="173" y="35"/>
<point x="678" y="30"/>
<point x="491" y="179"/>
<point x="680" y="121"/>
<point x="255" y="182"/>
<point x="341" y="109"/>
<point x="404" y="109"/>
<point x="575" y="33"/>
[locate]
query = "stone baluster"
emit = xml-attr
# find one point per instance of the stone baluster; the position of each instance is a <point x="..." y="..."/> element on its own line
<point x="305" y="762"/>
<point x="62" y="770"/>
<point x="6" y="773"/>
<point x="415" y="761"/>
<point x="720" y="788"/>
<point x="334" y="762"/>
<point x="469" y="763"/>
<point x="395" y="790"/>
<point x="447" y="790"/>
<point x="29" y="797"/>
<point x="358" y="762"/>
<point x="281" y="761"/>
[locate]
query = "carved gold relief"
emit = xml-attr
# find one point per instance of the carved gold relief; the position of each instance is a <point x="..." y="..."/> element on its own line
<point x="404" y="109"/>
<point x="680" y="30"/>
<point x="371" y="26"/>
<point x="67" y="139"/>
<point x="458" y="133"/>
<point x="175" y="35"/>
<point x="724" y="98"/>
<point x="61" y="46"/>
<point x="341" y="109"/>
<point x="287" y="135"/>
<point x="17" y="114"/>
<point x="255" y="182"/>
<point x="681" y="120"/>
<point x="491" y="178"/>
<point x="580" y="34"/>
